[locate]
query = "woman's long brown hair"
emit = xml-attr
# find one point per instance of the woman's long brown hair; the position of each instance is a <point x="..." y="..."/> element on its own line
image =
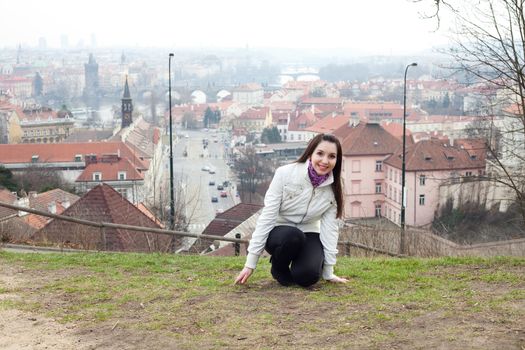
<point x="337" y="185"/>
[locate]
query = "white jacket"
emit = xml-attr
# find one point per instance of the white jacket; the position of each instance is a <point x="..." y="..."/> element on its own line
<point x="291" y="200"/>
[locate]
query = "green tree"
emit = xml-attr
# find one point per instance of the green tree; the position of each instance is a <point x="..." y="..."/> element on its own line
<point x="271" y="135"/>
<point x="209" y="117"/>
<point x="6" y="179"/>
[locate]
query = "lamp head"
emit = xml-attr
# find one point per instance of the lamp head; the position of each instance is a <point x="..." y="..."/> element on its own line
<point x="171" y="55"/>
<point x="413" y="64"/>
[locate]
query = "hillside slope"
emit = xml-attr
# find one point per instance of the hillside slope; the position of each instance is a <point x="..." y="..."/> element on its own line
<point x="141" y="301"/>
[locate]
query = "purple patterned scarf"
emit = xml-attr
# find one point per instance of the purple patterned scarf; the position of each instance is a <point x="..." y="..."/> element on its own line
<point x="314" y="178"/>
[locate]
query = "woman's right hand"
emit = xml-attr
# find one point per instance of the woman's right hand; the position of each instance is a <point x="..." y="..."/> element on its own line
<point x="244" y="275"/>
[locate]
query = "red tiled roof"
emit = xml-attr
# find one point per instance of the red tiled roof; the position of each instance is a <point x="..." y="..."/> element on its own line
<point x="42" y="200"/>
<point x="329" y="124"/>
<point x="435" y="155"/>
<point x="57" y="152"/>
<point x="225" y="222"/>
<point x="7" y="197"/>
<point x="302" y="121"/>
<point x="110" y="170"/>
<point x="255" y="113"/>
<point x="103" y="203"/>
<point x="366" y="139"/>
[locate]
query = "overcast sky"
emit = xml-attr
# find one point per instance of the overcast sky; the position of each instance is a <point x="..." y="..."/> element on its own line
<point x="378" y="26"/>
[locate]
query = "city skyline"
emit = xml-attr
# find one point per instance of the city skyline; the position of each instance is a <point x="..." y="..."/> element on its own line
<point x="380" y="27"/>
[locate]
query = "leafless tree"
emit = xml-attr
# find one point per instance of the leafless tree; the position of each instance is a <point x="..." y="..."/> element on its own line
<point x="252" y="171"/>
<point x="489" y="44"/>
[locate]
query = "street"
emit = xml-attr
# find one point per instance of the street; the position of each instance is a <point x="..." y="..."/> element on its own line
<point x="189" y="158"/>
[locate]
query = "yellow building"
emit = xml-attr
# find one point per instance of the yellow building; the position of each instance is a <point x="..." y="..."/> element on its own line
<point x="44" y="126"/>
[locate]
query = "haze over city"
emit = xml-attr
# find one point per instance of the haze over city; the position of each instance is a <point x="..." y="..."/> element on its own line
<point x="364" y="27"/>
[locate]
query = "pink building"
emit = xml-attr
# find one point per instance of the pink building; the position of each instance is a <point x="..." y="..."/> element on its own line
<point x="365" y="147"/>
<point x="429" y="164"/>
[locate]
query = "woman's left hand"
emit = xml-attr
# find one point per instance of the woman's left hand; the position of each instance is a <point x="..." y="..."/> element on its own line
<point x="338" y="280"/>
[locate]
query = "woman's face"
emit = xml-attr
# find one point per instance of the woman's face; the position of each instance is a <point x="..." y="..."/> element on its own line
<point x="324" y="157"/>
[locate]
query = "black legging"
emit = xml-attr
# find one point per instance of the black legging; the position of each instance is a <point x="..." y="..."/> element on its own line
<point x="288" y="244"/>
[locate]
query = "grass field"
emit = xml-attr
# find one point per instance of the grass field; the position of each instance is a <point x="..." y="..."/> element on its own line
<point x="153" y="301"/>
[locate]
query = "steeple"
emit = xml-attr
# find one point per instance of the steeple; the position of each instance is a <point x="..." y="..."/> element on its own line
<point x="127" y="107"/>
<point x="126" y="89"/>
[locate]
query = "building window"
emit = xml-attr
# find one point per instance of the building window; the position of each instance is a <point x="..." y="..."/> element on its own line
<point x="422" y="179"/>
<point x="122" y="175"/>
<point x="97" y="176"/>
<point x="356" y="187"/>
<point x="421" y="199"/>
<point x="379" y="165"/>
<point x="356" y="166"/>
<point x="378" y="187"/>
<point x="390" y="174"/>
<point x="34" y="159"/>
<point x="78" y="158"/>
<point x="390" y="192"/>
<point x="378" y="210"/>
<point x="468" y="174"/>
<point x="123" y="192"/>
<point x="395" y="196"/>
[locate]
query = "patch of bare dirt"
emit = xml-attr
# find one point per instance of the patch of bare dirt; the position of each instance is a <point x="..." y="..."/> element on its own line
<point x="269" y="316"/>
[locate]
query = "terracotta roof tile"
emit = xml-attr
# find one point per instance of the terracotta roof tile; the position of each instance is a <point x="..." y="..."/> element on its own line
<point x="7" y="197"/>
<point x="366" y="139"/>
<point x="435" y="155"/>
<point x="103" y="203"/>
<point x="329" y="124"/>
<point x="110" y="171"/>
<point x="225" y="222"/>
<point x="57" y="152"/>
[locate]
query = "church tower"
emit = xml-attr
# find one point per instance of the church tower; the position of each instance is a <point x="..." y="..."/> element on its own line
<point x="127" y="107"/>
<point x="91" y="90"/>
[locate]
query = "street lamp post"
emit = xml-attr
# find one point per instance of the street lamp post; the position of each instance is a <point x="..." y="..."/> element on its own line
<point x="172" y="200"/>
<point x="403" y="169"/>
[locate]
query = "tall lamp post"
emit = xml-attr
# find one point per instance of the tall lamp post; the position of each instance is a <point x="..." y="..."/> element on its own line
<point x="403" y="169"/>
<point x="172" y="199"/>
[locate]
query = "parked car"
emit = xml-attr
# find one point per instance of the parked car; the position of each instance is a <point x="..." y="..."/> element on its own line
<point x="220" y="187"/>
<point x="211" y="183"/>
<point x="224" y="194"/>
<point x="205" y="168"/>
<point x="211" y="171"/>
<point x="214" y="199"/>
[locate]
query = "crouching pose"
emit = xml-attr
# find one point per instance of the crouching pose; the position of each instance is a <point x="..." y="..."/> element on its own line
<point x="298" y="224"/>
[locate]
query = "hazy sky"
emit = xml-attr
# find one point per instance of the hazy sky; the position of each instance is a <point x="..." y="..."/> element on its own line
<point x="379" y="26"/>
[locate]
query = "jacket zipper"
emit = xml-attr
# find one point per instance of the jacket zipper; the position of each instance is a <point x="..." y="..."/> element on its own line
<point x="308" y="205"/>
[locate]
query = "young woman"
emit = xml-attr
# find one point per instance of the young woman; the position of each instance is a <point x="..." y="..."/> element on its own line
<point x="298" y="224"/>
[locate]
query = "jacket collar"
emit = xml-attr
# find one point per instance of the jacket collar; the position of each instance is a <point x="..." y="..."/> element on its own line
<point x="303" y="169"/>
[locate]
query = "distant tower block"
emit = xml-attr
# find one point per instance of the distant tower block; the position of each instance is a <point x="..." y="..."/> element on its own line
<point x="91" y="90"/>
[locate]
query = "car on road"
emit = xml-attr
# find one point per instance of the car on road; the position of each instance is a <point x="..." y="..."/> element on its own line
<point x="220" y="187"/>
<point x="211" y="171"/>
<point x="214" y="199"/>
<point x="219" y="211"/>
<point x="224" y="194"/>
<point x="205" y="168"/>
<point x="211" y="183"/>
